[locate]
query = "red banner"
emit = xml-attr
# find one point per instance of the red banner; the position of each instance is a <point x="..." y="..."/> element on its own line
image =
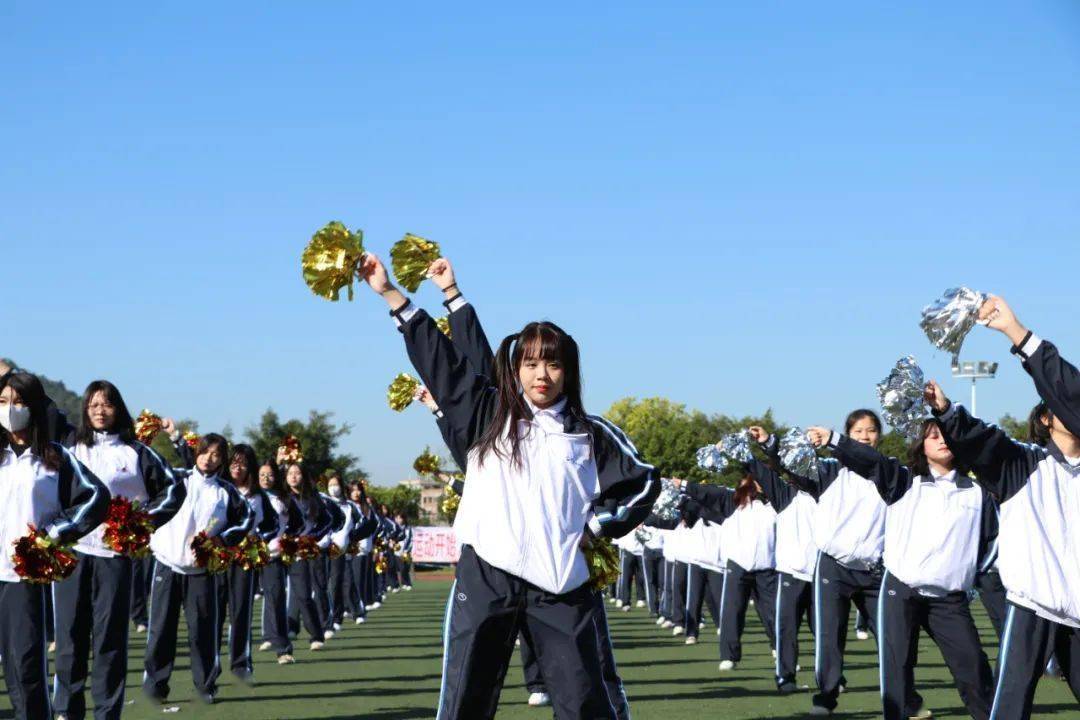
<point x="435" y="545"/>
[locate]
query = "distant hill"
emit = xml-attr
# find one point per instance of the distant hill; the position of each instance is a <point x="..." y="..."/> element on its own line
<point x="66" y="400"/>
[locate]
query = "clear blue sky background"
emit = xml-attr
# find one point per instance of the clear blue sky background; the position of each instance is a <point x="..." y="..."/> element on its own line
<point x="734" y="205"/>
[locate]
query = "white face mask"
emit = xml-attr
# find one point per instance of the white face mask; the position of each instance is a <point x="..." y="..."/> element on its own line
<point x="14" y="418"/>
<point x="335" y="491"/>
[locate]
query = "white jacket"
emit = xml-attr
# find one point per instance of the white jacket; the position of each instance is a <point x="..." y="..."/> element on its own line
<point x="212" y="505"/>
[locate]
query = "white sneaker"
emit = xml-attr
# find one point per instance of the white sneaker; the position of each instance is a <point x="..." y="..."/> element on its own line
<point x="328" y="634"/>
<point x="718" y="632"/>
<point x="396" y="590"/>
<point x="337" y="627"/>
<point x="517" y="643"/>
<point x="841" y="689"/>
<point x="626" y="608"/>
<point x="819" y="711"/>
<point x="346" y="614"/>
<point x="140" y="628"/>
<point x="773" y="654"/>
<point x="52" y="646"/>
<point x="862" y="634"/>
<point x="679" y="630"/>
<point x="285" y="659"/>
<point x="660" y="620"/>
<point x="612" y="601"/>
<point x="923" y="714"/>
<point x="408" y="588"/>
<point x="316" y="645"/>
<point x="640" y="603"/>
<point x="726" y="665"/>
<point x="539" y="699"/>
<point x="667" y="624"/>
<point x="375" y="606"/>
<point x="691" y="640"/>
<point x="618" y="603"/>
<point x="359" y="621"/>
<point x="266" y="646"/>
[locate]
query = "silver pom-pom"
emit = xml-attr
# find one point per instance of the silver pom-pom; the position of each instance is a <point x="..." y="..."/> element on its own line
<point x="901" y="394"/>
<point x="710" y="458"/>
<point x="797" y="454"/>
<point x="949" y="319"/>
<point x="666" y="505"/>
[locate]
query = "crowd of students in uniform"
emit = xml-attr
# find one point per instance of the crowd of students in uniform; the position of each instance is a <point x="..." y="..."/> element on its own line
<point x="61" y="479"/>
<point x="905" y="542"/>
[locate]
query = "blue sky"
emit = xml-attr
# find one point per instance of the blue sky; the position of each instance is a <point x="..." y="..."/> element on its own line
<point x="734" y="205"/>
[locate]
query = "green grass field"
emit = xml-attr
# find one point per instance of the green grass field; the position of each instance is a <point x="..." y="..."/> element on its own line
<point x="389" y="668"/>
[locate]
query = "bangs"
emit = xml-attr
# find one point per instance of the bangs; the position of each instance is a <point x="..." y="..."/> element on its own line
<point x="540" y="342"/>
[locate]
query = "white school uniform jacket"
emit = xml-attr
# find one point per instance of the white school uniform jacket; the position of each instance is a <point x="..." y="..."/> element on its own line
<point x="340" y="534"/>
<point x="66" y="503"/>
<point x="796" y="513"/>
<point x="1038" y="490"/>
<point x="748" y="538"/>
<point x="211" y="505"/>
<point x="133" y="471"/>
<point x="527" y="519"/>
<point x="704" y="546"/>
<point x="629" y="543"/>
<point x="849" y="524"/>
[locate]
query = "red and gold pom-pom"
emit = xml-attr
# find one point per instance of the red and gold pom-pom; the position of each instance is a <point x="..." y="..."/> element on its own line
<point x="40" y="559"/>
<point x="307" y="548"/>
<point x="380" y="563"/>
<point x="334" y="551"/>
<point x="251" y="553"/>
<point x="290" y="450"/>
<point x="128" y="528"/>
<point x="290" y="547"/>
<point x="192" y="439"/>
<point x="147" y="426"/>
<point x="353" y="549"/>
<point x="211" y="553"/>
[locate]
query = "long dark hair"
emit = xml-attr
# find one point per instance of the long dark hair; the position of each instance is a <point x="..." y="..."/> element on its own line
<point x="917" y="463"/>
<point x="541" y="341"/>
<point x="277" y="482"/>
<point x="307" y="485"/>
<point x="1038" y="431"/>
<point x="32" y="394"/>
<point x="209" y="440"/>
<point x="251" y="482"/>
<point x="856" y="415"/>
<point x="122" y="425"/>
<point x="747" y="492"/>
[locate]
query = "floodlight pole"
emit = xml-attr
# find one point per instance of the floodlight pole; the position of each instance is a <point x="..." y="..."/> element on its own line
<point x="980" y="369"/>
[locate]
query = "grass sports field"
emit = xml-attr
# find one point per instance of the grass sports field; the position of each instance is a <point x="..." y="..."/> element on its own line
<point x="389" y="669"/>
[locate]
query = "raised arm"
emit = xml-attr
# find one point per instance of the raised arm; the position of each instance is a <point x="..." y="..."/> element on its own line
<point x="890" y="477"/>
<point x="466" y="333"/>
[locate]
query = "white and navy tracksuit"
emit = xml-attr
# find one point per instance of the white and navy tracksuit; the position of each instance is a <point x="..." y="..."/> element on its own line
<point x="363" y="567"/>
<point x="849" y="531"/>
<point x="358" y="565"/>
<point x="652" y="566"/>
<point x="320" y="567"/>
<point x="67" y="503"/>
<point x="340" y="538"/>
<point x="705" y="569"/>
<point x="630" y="550"/>
<point x="274" y="576"/>
<point x="796" y="558"/>
<point x="937" y="530"/>
<point x="215" y="506"/>
<point x="520" y="527"/>
<point x="406" y="554"/>
<point x="91" y="607"/>
<point x="749" y="542"/>
<point x="318" y="521"/>
<point x="1038" y="489"/>
<point x="236" y="586"/>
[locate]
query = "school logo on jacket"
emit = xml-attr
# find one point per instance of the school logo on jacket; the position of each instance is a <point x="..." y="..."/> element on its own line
<point x="462" y="597"/>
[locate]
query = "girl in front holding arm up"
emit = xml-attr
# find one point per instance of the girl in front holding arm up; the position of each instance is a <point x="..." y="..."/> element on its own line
<point x="1038" y="488"/>
<point x="540" y="470"/>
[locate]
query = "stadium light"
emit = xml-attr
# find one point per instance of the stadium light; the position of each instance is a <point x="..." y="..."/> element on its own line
<point x="977" y="370"/>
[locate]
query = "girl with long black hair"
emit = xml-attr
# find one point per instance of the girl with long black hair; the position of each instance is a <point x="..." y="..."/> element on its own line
<point x="45" y="485"/>
<point x="540" y="472"/>
<point x="91" y="607"/>
<point x="274" y="575"/>
<point x="1038" y="488"/>
<point x="316" y="523"/>
<point x="940" y="525"/>
<point x="236" y="586"/>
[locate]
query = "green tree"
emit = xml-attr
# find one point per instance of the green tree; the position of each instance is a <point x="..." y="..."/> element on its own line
<point x="1016" y="428"/>
<point x="319" y="438"/>
<point x="164" y="446"/>
<point x="399" y="499"/>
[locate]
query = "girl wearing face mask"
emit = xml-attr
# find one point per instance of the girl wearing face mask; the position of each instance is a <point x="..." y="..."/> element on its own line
<point x="274" y="576"/>
<point x="849" y="531"/>
<point x="320" y="570"/>
<point x="213" y="505"/>
<point x="44" y="484"/>
<point x="540" y="473"/>
<point x="1038" y="488"/>
<point x="940" y="524"/>
<point x="316" y="522"/>
<point x="338" y="538"/>
<point x="91" y="607"/>
<point x="236" y="587"/>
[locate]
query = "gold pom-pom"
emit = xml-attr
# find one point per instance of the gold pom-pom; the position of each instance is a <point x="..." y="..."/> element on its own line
<point x="603" y="562"/>
<point x="401" y="391"/>
<point x="147" y="426"/>
<point x="450" y="502"/>
<point x="411" y="256"/>
<point x="331" y="259"/>
<point x="443" y="324"/>
<point x="427" y="463"/>
<point x="291" y="447"/>
<point x="192" y="439"/>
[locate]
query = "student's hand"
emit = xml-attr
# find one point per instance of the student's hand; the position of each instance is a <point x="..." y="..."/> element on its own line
<point x="679" y="483"/>
<point x="442" y="274"/>
<point x="168" y="426"/>
<point x="373" y="272"/>
<point x="819" y="436"/>
<point x="935" y="397"/>
<point x="997" y="314"/>
<point x="759" y="434"/>
<point x="423" y="395"/>
<point x="282" y="454"/>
